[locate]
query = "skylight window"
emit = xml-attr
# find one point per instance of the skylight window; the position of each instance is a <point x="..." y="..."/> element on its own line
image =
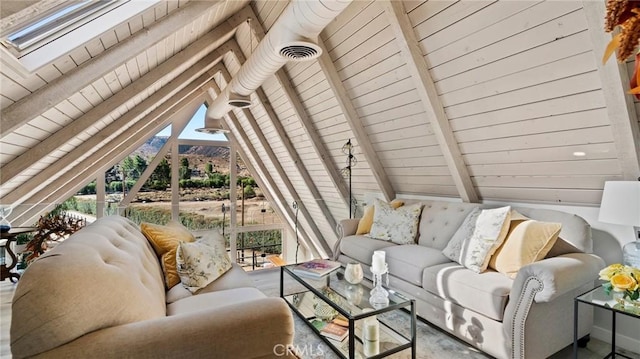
<point x="56" y="23"/>
<point x="30" y="45"/>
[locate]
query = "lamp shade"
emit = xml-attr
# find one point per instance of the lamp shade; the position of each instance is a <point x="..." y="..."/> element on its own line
<point x="621" y="203"/>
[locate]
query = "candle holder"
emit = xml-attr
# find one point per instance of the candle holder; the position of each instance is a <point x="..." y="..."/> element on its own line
<point x="379" y="296"/>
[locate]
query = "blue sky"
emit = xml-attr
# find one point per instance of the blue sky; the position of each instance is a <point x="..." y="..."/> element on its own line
<point x="190" y="132"/>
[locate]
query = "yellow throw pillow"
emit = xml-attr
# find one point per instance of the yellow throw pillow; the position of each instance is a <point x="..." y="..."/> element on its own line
<point x="365" y="223"/>
<point x="527" y="242"/>
<point x="165" y="240"/>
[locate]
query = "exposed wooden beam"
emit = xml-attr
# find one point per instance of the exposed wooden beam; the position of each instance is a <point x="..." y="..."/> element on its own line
<point x="278" y="197"/>
<point x="305" y="121"/>
<point x="63" y="87"/>
<point x="203" y="49"/>
<point x="125" y="143"/>
<point x="194" y="142"/>
<point x="235" y="51"/>
<point x="41" y="180"/>
<point x="100" y="194"/>
<point x="161" y="99"/>
<point x="282" y="173"/>
<point x="261" y="183"/>
<point x="355" y="123"/>
<point x="615" y="82"/>
<point x="419" y="70"/>
<point x="133" y="191"/>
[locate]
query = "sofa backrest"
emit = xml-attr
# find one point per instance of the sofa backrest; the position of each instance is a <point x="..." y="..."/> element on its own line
<point x="440" y="220"/>
<point x="104" y="275"/>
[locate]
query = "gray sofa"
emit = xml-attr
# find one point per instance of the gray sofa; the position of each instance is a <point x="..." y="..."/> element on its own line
<point x="101" y="294"/>
<point x="530" y="316"/>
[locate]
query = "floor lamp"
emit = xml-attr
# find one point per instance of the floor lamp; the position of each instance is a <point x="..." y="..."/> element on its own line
<point x="347" y="149"/>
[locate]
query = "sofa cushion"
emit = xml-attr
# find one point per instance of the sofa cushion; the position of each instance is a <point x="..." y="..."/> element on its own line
<point x="365" y="223"/>
<point x="165" y="240"/>
<point x="479" y="236"/>
<point x="235" y="277"/>
<point x="102" y="276"/>
<point x="529" y="241"/>
<point x="398" y="225"/>
<point x="217" y="299"/>
<point x="440" y="220"/>
<point x="485" y="293"/>
<point x="202" y="262"/>
<point x="361" y="248"/>
<point x="409" y="261"/>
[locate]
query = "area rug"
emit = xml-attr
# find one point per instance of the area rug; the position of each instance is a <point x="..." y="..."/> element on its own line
<point x="431" y="343"/>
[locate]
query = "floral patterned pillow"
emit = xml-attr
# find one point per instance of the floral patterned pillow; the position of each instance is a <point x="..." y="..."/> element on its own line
<point x="396" y="225"/>
<point x="202" y="262"/>
<point x="479" y="236"/>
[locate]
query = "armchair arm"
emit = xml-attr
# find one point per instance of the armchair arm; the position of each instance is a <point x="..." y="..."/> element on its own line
<point x="345" y="227"/>
<point x="348" y="227"/>
<point x="551" y="283"/>
<point x="559" y="275"/>
<point x="259" y="328"/>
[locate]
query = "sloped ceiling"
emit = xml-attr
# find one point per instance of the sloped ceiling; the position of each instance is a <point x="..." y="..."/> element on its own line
<point x="477" y="100"/>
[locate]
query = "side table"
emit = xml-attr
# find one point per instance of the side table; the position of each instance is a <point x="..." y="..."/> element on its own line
<point x="598" y="298"/>
<point x="10" y="236"/>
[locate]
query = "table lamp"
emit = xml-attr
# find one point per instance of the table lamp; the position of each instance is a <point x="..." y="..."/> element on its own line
<point x="621" y="205"/>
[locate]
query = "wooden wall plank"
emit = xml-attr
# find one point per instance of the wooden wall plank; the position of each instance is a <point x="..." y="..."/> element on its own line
<point x="548" y="32"/>
<point x="492" y="14"/>
<point x="567" y="104"/>
<point x="604" y="150"/>
<point x="555" y="139"/>
<point x="559" y="88"/>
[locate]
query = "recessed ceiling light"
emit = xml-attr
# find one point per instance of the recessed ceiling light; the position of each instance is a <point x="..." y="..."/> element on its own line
<point x="579" y="154"/>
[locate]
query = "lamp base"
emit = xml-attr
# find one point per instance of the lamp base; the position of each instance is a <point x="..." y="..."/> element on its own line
<point x="631" y="254"/>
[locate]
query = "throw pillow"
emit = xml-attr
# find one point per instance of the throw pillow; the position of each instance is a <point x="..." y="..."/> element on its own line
<point x="165" y="240"/>
<point x="202" y="262"/>
<point x="529" y="241"/>
<point x="479" y="236"/>
<point x="365" y="223"/>
<point x="398" y="225"/>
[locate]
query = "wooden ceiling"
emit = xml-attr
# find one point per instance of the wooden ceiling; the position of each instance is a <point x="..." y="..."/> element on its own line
<point x="475" y="100"/>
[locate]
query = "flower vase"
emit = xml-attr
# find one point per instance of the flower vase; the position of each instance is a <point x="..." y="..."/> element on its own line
<point x="623" y="303"/>
<point x="353" y="273"/>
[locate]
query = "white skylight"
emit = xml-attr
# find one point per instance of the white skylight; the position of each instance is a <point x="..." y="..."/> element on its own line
<point x="30" y="46"/>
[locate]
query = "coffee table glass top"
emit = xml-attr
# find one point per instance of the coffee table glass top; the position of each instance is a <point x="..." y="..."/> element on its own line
<point x="331" y="297"/>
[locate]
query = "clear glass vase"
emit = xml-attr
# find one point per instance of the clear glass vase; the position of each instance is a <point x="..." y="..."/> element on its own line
<point x="631" y="254"/>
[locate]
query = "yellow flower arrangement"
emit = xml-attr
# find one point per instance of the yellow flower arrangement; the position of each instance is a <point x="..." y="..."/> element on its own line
<point x="622" y="278"/>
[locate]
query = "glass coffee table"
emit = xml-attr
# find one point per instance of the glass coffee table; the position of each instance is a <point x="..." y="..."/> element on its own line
<point x="331" y="299"/>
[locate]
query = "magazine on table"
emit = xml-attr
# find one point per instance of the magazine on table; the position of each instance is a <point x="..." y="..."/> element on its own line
<point x="316" y="268"/>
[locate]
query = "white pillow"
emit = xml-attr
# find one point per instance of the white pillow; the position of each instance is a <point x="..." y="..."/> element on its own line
<point x="202" y="262"/>
<point x="479" y="236"/>
<point x="396" y="225"/>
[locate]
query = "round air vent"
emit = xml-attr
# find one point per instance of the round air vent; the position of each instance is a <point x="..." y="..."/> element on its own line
<point x="300" y="51"/>
<point x="239" y="101"/>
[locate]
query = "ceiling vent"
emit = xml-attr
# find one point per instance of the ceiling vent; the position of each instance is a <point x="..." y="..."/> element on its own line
<point x="291" y="38"/>
<point x="299" y="51"/>
<point x="239" y="101"/>
<point x="212" y="126"/>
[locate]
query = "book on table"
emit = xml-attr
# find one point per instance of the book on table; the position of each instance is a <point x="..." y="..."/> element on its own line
<point x="316" y="268"/>
<point x="331" y="330"/>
